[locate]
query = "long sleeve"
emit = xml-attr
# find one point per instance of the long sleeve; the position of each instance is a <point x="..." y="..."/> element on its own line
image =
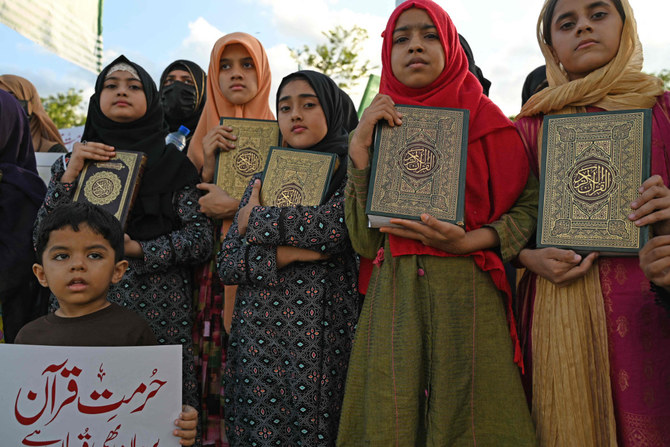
<point x="58" y="193"/>
<point x="191" y="244"/>
<point x="366" y="241"/>
<point x="516" y="227"/>
<point x="319" y="228"/>
<point x="239" y="262"/>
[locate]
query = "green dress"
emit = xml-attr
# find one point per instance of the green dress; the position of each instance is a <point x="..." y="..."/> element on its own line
<point x="432" y="362"/>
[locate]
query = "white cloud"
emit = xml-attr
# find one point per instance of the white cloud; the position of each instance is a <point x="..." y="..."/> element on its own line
<point x="296" y="20"/>
<point x="197" y="46"/>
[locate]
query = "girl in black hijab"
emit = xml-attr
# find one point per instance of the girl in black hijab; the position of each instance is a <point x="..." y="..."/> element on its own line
<point x="297" y="303"/>
<point x="182" y="90"/>
<point x="166" y="234"/>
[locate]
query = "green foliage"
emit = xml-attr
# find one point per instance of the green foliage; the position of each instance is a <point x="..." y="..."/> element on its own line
<point x="339" y="58"/>
<point x="64" y="108"/>
<point x="665" y="77"/>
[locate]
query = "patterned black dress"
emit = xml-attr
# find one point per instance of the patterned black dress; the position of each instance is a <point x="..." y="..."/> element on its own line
<point x="158" y="287"/>
<point x="292" y="328"/>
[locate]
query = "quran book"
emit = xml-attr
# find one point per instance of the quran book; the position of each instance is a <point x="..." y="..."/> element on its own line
<point x="296" y="177"/>
<point x="112" y="184"/>
<point x="254" y="138"/>
<point x="592" y="167"/>
<point x="419" y="166"/>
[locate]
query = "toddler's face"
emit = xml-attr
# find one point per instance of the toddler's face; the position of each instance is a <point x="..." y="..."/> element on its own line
<point x="78" y="267"/>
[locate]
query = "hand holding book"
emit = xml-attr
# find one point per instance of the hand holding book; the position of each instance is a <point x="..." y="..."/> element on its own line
<point x="217" y="203"/>
<point x="653" y="206"/>
<point x="218" y="139"/>
<point x="85" y="151"/>
<point x="562" y="267"/>
<point x="381" y="108"/>
<point x="444" y="236"/>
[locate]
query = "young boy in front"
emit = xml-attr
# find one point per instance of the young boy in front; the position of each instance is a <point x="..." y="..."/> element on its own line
<point x="80" y="254"/>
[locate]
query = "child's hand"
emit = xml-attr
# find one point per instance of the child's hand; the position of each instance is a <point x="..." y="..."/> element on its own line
<point x="561" y="267"/>
<point x="381" y="108"/>
<point x="432" y="232"/>
<point x="85" y="151"/>
<point x="287" y="255"/>
<point x="217" y="139"/>
<point x="655" y="260"/>
<point x="131" y="248"/>
<point x="217" y="203"/>
<point x="187" y="422"/>
<point x="653" y="205"/>
<point x="244" y="212"/>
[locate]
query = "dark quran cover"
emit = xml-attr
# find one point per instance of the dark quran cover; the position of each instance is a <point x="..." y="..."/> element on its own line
<point x="113" y="184"/>
<point x="254" y="139"/>
<point x="419" y="166"/>
<point x="296" y="177"/>
<point x="592" y="167"/>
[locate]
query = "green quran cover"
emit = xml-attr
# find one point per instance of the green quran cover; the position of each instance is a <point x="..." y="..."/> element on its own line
<point x="254" y="138"/>
<point x="296" y="177"/>
<point x="419" y="166"/>
<point x="112" y="184"/>
<point x="592" y="167"/>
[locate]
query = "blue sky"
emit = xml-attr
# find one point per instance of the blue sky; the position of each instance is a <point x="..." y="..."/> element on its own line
<point x="154" y="33"/>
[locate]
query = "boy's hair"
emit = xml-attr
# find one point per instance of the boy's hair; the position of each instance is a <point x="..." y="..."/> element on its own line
<point x="73" y="215"/>
<point x="549" y="15"/>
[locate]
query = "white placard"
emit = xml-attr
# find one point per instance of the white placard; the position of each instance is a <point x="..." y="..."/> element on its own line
<point x="89" y="396"/>
<point x="71" y="135"/>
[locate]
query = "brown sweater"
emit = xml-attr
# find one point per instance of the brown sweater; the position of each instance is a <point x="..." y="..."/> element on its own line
<point x="111" y="326"/>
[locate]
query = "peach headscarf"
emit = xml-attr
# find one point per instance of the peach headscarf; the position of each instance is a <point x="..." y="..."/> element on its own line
<point x="218" y="106"/>
<point x="42" y="129"/>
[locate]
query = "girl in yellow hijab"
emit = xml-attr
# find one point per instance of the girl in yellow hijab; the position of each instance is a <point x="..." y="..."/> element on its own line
<point x="600" y="346"/>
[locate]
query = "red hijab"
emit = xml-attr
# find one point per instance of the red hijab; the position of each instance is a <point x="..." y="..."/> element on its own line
<point x="496" y="170"/>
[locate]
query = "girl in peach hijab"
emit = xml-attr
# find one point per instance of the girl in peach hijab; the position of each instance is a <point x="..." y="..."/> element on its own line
<point x="46" y="137"/>
<point x="238" y="86"/>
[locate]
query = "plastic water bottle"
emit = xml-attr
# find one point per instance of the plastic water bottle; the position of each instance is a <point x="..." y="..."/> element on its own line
<point x="178" y="138"/>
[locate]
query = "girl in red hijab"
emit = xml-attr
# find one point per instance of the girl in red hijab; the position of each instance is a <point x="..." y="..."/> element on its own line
<point x="433" y="362"/>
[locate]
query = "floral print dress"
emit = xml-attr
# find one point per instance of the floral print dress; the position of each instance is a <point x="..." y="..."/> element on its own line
<point x="292" y="327"/>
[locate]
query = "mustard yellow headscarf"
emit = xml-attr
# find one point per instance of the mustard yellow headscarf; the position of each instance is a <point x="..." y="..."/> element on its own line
<point x="618" y="85"/>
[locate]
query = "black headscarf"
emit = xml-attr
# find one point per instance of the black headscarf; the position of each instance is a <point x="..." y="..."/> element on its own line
<point x="535" y="81"/>
<point x="167" y="170"/>
<point x="341" y="118"/>
<point x="473" y="67"/>
<point x="21" y="193"/>
<point x="183" y="103"/>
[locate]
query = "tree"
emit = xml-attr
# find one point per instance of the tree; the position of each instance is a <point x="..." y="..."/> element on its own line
<point x="64" y="108"/>
<point x="339" y="58"/>
<point x="665" y="77"/>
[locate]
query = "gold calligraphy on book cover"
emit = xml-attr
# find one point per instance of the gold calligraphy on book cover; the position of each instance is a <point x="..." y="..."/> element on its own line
<point x="419" y="167"/>
<point x="296" y="177"/>
<point x="592" y="167"/>
<point x="113" y="184"/>
<point x="254" y="139"/>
